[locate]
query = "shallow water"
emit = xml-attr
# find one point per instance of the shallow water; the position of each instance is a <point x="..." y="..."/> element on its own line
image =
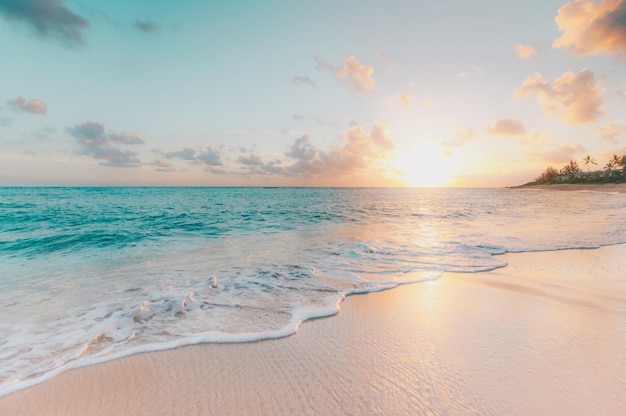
<point x="90" y="274"/>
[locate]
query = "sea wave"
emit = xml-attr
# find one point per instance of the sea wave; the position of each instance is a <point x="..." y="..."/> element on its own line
<point x="93" y="274"/>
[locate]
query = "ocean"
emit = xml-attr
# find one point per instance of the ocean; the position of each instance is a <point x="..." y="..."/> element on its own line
<point x="93" y="274"/>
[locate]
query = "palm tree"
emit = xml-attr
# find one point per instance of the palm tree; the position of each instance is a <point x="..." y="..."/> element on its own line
<point x="548" y="175"/>
<point x="617" y="161"/>
<point x="587" y="160"/>
<point x="571" y="168"/>
<point x="609" y="167"/>
<point x="614" y="163"/>
<point x="622" y="163"/>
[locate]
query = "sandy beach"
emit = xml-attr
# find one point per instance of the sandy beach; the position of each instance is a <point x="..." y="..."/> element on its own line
<point x="609" y="187"/>
<point x="545" y="335"/>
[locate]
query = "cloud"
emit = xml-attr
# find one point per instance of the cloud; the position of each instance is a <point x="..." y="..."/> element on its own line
<point x="306" y="80"/>
<point x="611" y="131"/>
<point x="308" y="160"/>
<point x="621" y="94"/>
<point x="49" y="18"/>
<point x="93" y="140"/>
<point x="162" y="165"/>
<point x="357" y="75"/>
<point x="506" y="127"/>
<point x="34" y="106"/>
<point x="209" y="157"/>
<point x="525" y="51"/>
<point x="186" y="154"/>
<point x="564" y="153"/>
<point x="380" y="137"/>
<point x="250" y="160"/>
<point x="592" y="28"/>
<point x="534" y="142"/>
<point x="463" y="135"/>
<point x="573" y="97"/>
<point x="146" y="26"/>
<point x="204" y="156"/>
<point x="387" y="60"/>
<point x="323" y="65"/>
<point x="126" y="138"/>
<point x="404" y="99"/>
<point x="359" y="153"/>
<point x="88" y="130"/>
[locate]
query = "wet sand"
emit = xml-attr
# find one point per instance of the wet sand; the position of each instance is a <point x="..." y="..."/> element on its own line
<point x="544" y="336"/>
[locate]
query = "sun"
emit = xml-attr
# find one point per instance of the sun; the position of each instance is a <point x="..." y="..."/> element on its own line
<point x="425" y="165"/>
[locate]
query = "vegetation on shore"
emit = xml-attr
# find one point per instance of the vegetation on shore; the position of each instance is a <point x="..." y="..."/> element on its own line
<point x="613" y="172"/>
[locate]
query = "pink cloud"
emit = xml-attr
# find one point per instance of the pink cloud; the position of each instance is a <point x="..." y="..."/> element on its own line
<point x="525" y="51"/>
<point x="357" y="75"/>
<point x="564" y="153"/>
<point x="463" y="135"/>
<point x="592" y="28"/>
<point x="573" y="97"/>
<point x="404" y="99"/>
<point x="360" y="153"/>
<point x="611" y="131"/>
<point x="34" y="106"/>
<point x="506" y="127"/>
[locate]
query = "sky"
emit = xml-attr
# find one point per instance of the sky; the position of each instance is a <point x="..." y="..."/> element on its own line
<point x="485" y="93"/>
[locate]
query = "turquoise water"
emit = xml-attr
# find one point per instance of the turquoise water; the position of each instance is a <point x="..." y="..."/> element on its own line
<point x="91" y="274"/>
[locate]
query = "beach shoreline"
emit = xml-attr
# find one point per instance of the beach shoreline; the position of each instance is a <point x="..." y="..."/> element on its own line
<point x="545" y="335"/>
<point x="608" y="187"/>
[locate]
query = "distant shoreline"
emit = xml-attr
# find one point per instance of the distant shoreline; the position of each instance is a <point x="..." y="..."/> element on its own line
<point x="608" y="187"/>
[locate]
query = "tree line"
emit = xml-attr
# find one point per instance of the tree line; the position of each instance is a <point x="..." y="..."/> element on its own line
<point x="614" y="171"/>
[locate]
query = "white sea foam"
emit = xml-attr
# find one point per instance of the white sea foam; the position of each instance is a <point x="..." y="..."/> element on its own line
<point x="244" y="265"/>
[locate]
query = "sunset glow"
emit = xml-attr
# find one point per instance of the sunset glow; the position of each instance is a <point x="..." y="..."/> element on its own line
<point x="290" y="94"/>
<point x="425" y="165"/>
